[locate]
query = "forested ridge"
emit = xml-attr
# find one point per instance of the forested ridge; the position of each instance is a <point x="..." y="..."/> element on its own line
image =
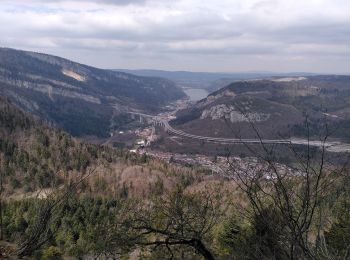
<point x="81" y="99"/>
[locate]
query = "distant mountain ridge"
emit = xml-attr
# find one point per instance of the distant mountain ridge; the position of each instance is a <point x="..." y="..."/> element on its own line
<point x="210" y="81"/>
<point x="79" y="98"/>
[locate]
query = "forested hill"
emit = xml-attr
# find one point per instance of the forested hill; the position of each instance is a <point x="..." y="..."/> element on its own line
<point x="61" y="197"/>
<point x="81" y="99"/>
<point x="178" y="213"/>
<point x="35" y="156"/>
<point x="277" y="107"/>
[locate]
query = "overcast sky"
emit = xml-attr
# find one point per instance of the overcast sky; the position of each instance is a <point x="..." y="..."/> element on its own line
<point x="195" y="35"/>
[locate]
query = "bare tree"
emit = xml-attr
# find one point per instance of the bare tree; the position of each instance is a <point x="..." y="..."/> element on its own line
<point x="2" y="162"/>
<point x="296" y="193"/>
<point x="114" y="237"/>
<point x="180" y="219"/>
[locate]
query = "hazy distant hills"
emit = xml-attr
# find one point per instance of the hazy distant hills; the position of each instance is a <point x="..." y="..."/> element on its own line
<point x="276" y="106"/>
<point x="81" y="99"/>
<point x="210" y="81"/>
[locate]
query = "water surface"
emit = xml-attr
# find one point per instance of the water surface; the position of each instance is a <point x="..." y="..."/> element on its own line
<point x="196" y="94"/>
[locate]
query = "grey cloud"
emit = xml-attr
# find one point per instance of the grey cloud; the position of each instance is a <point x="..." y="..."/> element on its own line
<point x="326" y="33"/>
<point x="172" y="29"/>
<point x="110" y="2"/>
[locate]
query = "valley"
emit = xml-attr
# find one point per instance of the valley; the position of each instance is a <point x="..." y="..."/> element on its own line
<point x="157" y="127"/>
<point x="158" y="151"/>
<point x="179" y="130"/>
<point x="93" y="104"/>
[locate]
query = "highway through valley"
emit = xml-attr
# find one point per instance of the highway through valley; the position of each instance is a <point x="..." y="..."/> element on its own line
<point x="159" y="120"/>
<point x="163" y="120"/>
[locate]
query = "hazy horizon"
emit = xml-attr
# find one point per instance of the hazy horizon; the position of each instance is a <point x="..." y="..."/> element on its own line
<point x="277" y="36"/>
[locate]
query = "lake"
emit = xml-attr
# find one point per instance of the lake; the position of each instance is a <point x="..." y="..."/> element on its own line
<point x="196" y="94"/>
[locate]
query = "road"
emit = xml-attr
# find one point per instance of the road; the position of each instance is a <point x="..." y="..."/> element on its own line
<point x="164" y="122"/>
<point x="331" y="146"/>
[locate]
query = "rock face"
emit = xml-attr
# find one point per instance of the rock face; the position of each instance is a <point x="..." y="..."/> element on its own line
<point x="229" y="112"/>
<point x="51" y="88"/>
<point x="79" y="98"/>
<point x="74" y="75"/>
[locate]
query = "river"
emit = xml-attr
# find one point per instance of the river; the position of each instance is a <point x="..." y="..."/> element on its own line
<point x="196" y="94"/>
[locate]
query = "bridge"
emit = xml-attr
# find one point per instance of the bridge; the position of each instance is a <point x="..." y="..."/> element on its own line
<point x="168" y="128"/>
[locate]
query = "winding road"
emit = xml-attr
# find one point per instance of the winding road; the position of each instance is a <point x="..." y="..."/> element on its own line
<point x="168" y="128"/>
<point x="331" y="146"/>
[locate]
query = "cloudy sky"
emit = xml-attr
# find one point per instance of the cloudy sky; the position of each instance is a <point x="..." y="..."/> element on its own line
<point x="195" y="35"/>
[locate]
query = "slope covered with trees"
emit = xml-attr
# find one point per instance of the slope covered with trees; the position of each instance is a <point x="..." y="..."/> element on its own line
<point x="81" y="99"/>
<point x="37" y="156"/>
<point x="81" y="200"/>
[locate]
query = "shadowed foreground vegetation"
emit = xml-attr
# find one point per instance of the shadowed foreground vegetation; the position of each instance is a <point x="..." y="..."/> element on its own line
<point x="64" y="198"/>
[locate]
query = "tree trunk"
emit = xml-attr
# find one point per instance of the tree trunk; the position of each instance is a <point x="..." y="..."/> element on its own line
<point x="200" y="247"/>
